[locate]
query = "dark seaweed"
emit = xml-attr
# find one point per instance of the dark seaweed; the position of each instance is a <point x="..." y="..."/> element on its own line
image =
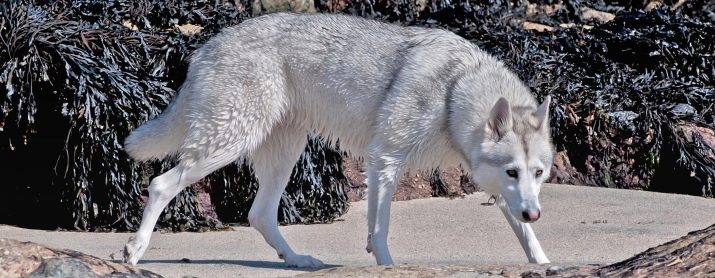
<point x="628" y="94"/>
<point x="76" y="81"/>
<point x="633" y="101"/>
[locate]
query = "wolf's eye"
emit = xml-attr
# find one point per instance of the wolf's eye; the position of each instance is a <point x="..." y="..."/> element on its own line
<point x="512" y="173"/>
<point x="539" y="173"/>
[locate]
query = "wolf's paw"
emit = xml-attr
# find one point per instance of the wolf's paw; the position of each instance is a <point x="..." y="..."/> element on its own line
<point x="384" y="259"/>
<point x="134" y="250"/>
<point x="303" y="261"/>
<point x="369" y="248"/>
<point x="537" y="256"/>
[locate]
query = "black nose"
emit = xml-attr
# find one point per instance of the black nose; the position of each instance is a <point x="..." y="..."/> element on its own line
<point x="531" y="215"/>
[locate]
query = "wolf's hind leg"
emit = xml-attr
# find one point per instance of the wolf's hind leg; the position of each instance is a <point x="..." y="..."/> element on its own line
<point x="273" y="163"/>
<point x="164" y="188"/>
<point x="526" y="235"/>
<point x="383" y="174"/>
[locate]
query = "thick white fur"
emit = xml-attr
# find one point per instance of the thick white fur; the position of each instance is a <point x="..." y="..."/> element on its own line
<point x="399" y="97"/>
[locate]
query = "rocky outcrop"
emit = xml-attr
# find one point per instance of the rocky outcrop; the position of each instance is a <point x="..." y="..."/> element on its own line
<point x="27" y="259"/>
<point x="272" y="6"/>
<point x="689" y="256"/>
<point x="447" y="182"/>
<point x="454" y="271"/>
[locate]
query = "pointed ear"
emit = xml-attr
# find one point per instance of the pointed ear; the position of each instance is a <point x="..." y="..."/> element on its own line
<point x="542" y="112"/>
<point x="500" y="121"/>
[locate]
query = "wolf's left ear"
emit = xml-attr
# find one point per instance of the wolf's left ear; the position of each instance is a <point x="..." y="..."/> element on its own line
<point x="500" y="121"/>
<point x="542" y="112"/>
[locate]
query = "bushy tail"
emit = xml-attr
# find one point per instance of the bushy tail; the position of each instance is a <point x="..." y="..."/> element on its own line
<point x="160" y="137"/>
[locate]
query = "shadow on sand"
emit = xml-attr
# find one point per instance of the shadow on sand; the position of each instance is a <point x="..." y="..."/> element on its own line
<point x="247" y="263"/>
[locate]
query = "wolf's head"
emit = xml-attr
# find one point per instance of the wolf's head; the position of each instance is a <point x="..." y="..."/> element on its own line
<point x="515" y="156"/>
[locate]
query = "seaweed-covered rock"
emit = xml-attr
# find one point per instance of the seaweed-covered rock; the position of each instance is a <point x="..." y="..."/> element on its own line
<point x="271" y="6"/>
<point x="315" y="193"/>
<point x="632" y="83"/>
<point x="28" y="259"/>
<point x="688" y="256"/>
<point x="623" y="85"/>
<point x="77" y="77"/>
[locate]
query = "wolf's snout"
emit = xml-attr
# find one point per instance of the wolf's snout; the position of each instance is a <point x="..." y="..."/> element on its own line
<point x="531" y="215"/>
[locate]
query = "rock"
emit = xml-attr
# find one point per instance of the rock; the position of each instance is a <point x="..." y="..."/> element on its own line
<point x="66" y="267"/>
<point x="272" y="6"/>
<point x="574" y="25"/>
<point x="652" y="5"/>
<point x="27" y="259"/>
<point x="682" y="110"/>
<point x="531" y="274"/>
<point x="189" y="29"/>
<point x="562" y="171"/>
<point x="677" y="5"/>
<point x="554" y="270"/>
<point x="533" y="9"/>
<point x="623" y="119"/>
<point x="589" y="14"/>
<point x="129" y="24"/>
<point x="707" y="135"/>
<point x="412" y="185"/>
<point x="688" y="256"/>
<point x="418" y="270"/>
<point x="532" y="25"/>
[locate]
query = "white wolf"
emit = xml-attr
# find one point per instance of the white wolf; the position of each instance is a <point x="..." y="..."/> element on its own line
<point x="400" y="97"/>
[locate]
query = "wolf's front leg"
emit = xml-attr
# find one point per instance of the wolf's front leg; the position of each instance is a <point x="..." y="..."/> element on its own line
<point x="525" y="234"/>
<point x="381" y="181"/>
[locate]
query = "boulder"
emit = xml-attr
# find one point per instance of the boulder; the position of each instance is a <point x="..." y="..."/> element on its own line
<point x="688" y="256"/>
<point x="28" y="259"/>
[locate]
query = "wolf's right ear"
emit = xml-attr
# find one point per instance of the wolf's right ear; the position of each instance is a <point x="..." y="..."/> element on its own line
<point x="500" y="121"/>
<point x="542" y="113"/>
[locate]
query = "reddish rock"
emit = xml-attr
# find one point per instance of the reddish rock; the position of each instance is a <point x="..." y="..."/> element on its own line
<point x="707" y="134"/>
<point x="412" y="185"/>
